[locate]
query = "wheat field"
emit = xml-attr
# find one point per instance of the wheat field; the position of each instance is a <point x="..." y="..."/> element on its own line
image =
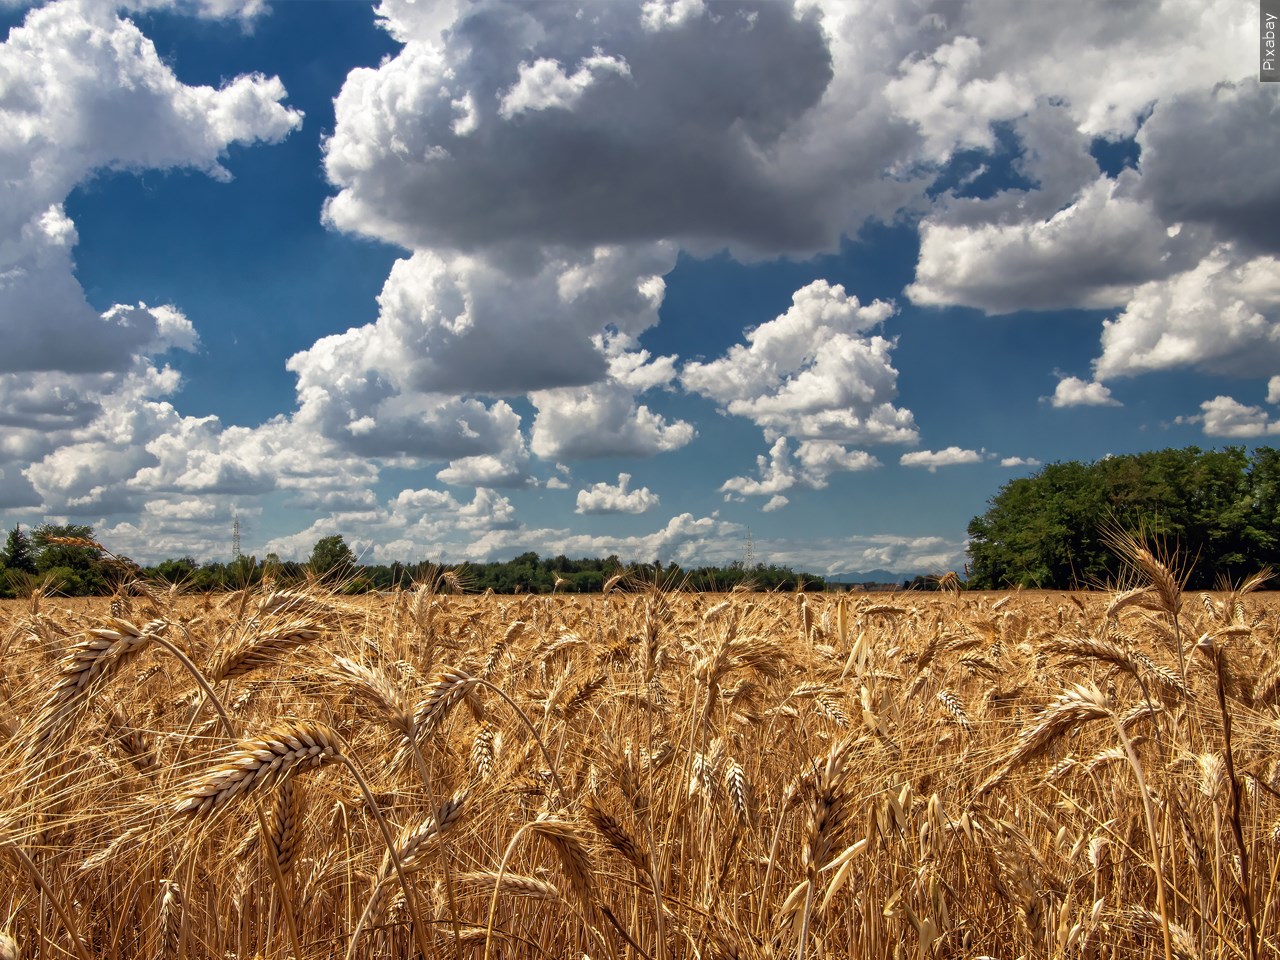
<point x="650" y="773"/>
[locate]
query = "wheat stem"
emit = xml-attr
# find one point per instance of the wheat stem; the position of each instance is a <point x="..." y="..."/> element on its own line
<point x="55" y="901"/>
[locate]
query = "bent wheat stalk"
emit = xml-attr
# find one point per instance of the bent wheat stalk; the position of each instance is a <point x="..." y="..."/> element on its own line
<point x="264" y="649"/>
<point x="450" y="686"/>
<point x="59" y="908"/>
<point x="1157" y="861"/>
<point x="285" y="752"/>
<point x="277" y="874"/>
<point x="87" y="664"/>
<point x="410" y="853"/>
<point x="256" y="763"/>
<point x="1209" y="646"/>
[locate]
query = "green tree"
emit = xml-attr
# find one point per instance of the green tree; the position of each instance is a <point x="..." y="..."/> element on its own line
<point x="1218" y="509"/>
<point x="178" y="571"/>
<point x="75" y="570"/>
<point x="331" y="558"/>
<point x="244" y="571"/>
<point x="17" y="553"/>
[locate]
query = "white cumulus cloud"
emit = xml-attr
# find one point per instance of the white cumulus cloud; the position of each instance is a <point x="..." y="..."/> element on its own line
<point x="616" y="498"/>
<point x="933" y="459"/>
<point x="810" y="466"/>
<point x="487" y="470"/>
<point x="1222" y="315"/>
<point x="85" y="392"/>
<point x="605" y="419"/>
<point x="543" y="84"/>
<point x="1093" y="253"/>
<point x="1074" y="392"/>
<point x="951" y="103"/>
<point x="812" y="373"/>
<point x="567" y="108"/>
<point x="664" y="14"/>
<point x="85" y="91"/>
<point x="1228" y="417"/>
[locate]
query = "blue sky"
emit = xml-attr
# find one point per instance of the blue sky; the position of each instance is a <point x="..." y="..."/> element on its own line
<point x="462" y="280"/>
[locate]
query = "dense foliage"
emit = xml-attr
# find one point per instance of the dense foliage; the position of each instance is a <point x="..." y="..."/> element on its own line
<point x="332" y="559"/>
<point x="1219" y="510"/>
<point x="74" y="569"/>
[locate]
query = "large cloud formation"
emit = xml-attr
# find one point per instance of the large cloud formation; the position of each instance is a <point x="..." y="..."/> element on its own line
<point x="84" y="92"/>
<point x="1178" y="244"/>
<point x="543" y="165"/>
<point x="531" y="123"/>
<point x="812" y="374"/>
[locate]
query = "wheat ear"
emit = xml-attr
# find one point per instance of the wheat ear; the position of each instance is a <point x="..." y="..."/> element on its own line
<point x="511" y="884"/>
<point x="103" y="651"/>
<point x="284" y="822"/>
<point x="171" y="910"/>
<point x="256" y="763"/>
<point x="407" y="855"/>
<point x="615" y="834"/>
<point x="1070" y="708"/>
<point x="376" y="686"/>
<point x="830" y="805"/>
<point x="285" y="752"/>
<point x="263" y="649"/>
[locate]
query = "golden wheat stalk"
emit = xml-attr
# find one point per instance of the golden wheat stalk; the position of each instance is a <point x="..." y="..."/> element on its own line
<point x="284" y="825"/>
<point x="566" y="840"/>
<point x="415" y="842"/>
<point x="616" y="835"/>
<point x="263" y="649"/>
<point x="85" y="666"/>
<point x="1079" y="704"/>
<point x="375" y="685"/>
<point x="409" y="853"/>
<point x="510" y="885"/>
<point x="171" y="916"/>
<point x="257" y="763"/>
<point x="448" y="687"/>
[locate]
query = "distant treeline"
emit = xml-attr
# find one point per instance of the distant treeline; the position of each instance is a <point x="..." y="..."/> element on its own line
<point x="1215" y="512"/>
<point x="67" y="560"/>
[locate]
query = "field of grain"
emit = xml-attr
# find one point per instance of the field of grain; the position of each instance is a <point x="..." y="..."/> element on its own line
<point x="649" y="773"/>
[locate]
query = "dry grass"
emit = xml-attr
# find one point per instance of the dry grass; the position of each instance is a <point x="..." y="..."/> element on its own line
<point x="642" y="774"/>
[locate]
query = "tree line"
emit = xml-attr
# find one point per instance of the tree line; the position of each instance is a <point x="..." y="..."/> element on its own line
<point x="66" y="559"/>
<point x="1215" y="512"/>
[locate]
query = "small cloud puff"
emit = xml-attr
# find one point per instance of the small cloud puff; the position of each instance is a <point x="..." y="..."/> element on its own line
<point x="1228" y="417"/>
<point x="933" y="459"/>
<point x="1074" y="392"/>
<point x="813" y="463"/>
<point x="606" y="498"/>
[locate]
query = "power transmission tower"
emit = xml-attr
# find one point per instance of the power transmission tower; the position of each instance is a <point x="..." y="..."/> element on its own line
<point x="235" y="536"/>
<point x="749" y="560"/>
